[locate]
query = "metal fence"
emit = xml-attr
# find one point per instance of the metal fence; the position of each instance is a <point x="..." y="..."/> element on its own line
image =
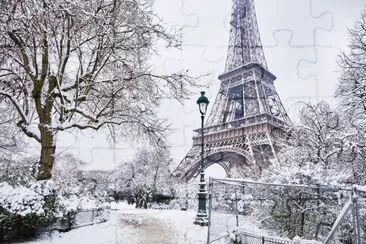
<point x="79" y="219"/>
<point x="350" y="225"/>
<point x="250" y="238"/>
<point x="244" y="237"/>
<point x="320" y="214"/>
<point x="91" y="216"/>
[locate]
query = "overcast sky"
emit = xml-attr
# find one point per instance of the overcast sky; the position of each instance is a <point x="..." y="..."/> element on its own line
<point x="301" y="40"/>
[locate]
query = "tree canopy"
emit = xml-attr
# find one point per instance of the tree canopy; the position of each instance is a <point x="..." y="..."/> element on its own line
<point x="84" y="64"/>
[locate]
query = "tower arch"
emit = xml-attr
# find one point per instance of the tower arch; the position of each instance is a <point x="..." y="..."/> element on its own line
<point x="228" y="159"/>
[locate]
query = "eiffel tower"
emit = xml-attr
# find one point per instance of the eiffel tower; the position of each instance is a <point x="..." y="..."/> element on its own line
<point x="247" y="116"/>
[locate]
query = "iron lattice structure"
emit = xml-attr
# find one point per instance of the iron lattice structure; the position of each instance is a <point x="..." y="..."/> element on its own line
<point x="247" y="115"/>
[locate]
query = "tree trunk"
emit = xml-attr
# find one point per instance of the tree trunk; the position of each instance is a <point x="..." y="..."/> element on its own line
<point x="146" y="201"/>
<point x="44" y="111"/>
<point x="140" y="202"/>
<point x="47" y="158"/>
<point x="302" y="225"/>
<point x="137" y="202"/>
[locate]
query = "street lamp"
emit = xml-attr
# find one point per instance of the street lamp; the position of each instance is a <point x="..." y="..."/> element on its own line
<point x="201" y="217"/>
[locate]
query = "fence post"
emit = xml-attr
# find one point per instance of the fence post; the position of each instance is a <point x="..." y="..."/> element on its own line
<point x="210" y="188"/>
<point x="354" y="221"/>
<point x="356" y="216"/>
<point x="236" y="206"/>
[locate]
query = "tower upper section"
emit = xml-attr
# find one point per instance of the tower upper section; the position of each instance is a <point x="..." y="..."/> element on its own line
<point x="245" y="45"/>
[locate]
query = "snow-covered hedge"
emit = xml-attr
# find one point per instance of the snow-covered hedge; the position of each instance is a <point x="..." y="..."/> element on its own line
<point x="20" y="200"/>
<point x="39" y="206"/>
<point x="25" y="209"/>
<point x="77" y="203"/>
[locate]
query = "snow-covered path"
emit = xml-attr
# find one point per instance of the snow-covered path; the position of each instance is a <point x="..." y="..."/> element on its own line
<point x="128" y="225"/>
<point x="139" y="228"/>
<point x="160" y="226"/>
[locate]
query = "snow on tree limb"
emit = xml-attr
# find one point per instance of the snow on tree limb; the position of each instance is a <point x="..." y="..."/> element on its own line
<point x="16" y="105"/>
<point x="85" y="64"/>
<point x="352" y="82"/>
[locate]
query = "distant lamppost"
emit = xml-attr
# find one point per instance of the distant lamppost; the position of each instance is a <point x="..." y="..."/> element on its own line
<point x="201" y="217"/>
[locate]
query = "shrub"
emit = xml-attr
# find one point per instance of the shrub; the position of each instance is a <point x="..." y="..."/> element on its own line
<point x="25" y="210"/>
<point x="67" y="221"/>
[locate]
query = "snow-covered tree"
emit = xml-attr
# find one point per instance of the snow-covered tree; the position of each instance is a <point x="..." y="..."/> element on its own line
<point x="352" y="93"/>
<point x="320" y="152"/>
<point x="352" y="83"/>
<point x="147" y="174"/>
<point x="9" y="138"/>
<point x="11" y="142"/>
<point x="84" y="64"/>
<point x="322" y="138"/>
<point x="327" y="147"/>
<point x="67" y="173"/>
<point x="18" y="170"/>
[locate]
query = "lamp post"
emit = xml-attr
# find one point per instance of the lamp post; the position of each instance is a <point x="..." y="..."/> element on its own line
<point x="201" y="217"/>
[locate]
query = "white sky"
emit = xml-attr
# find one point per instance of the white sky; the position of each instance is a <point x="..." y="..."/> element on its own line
<point x="301" y="40"/>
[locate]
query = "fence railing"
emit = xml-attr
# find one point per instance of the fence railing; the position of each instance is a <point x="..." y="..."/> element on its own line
<point x="241" y="236"/>
<point x="79" y="219"/>
<point x="250" y="238"/>
<point x="91" y="216"/>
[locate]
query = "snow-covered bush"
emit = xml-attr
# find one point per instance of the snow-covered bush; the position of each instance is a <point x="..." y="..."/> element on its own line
<point x="37" y="206"/>
<point x="76" y="203"/>
<point x="233" y="237"/>
<point x="20" y="200"/>
<point x="67" y="220"/>
<point x="70" y="206"/>
<point x="23" y="210"/>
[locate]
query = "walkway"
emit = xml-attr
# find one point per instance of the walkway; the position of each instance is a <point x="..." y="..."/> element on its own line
<point x="128" y="225"/>
<point x="159" y="226"/>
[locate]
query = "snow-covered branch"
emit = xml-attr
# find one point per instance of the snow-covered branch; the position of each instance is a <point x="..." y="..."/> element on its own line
<point x="16" y="105"/>
<point x="85" y="65"/>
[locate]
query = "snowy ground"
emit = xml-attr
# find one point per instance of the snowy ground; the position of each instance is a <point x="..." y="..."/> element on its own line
<point x="128" y="225"/>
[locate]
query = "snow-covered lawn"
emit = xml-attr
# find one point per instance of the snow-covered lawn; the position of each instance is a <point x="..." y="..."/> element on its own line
<point x="129" y="225"/>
